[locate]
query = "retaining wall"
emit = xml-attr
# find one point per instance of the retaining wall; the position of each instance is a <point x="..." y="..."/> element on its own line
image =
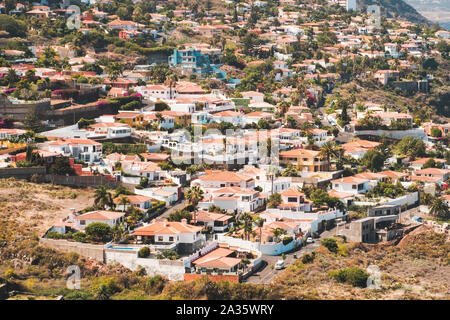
<point x="92" y="251"/>
<point x="171" y="269"/>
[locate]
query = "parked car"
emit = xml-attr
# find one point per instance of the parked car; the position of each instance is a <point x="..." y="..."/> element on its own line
<point x="309" y="240"/>
<point x="279" y="265"/>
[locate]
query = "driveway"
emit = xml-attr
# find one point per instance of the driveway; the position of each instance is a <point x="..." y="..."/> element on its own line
<point x="176" y="207"/>
<point x="266" y="274"/>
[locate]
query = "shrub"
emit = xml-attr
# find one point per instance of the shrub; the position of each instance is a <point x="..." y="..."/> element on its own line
<point x="144" y="252"/>
<point x="287" y="240"/>
<point x="354" y="276"/>
<point x="36" y="178"/>
<point x="330" y="244"/>
<point x="168" y="254"/>
<point x="79" y="237"/>
<point x="308" y="258"/>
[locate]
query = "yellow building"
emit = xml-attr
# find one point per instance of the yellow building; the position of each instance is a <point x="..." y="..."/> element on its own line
<point x="305" y="160"/>
<point x="131" y="118"/>
<point x="180" y="118"/>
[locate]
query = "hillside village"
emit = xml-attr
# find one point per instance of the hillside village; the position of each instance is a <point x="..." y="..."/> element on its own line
<point x="221" y="138"/>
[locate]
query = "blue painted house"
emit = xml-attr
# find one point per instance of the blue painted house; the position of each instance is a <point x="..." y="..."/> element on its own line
<point x="191" y="60"/>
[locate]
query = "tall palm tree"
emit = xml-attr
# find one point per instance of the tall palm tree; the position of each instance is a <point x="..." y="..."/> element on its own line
<point x="247" y="219"/>
<point x="260" y="223"/>
<point x="194" y="195"/>
<point x="440" y="209"/>
<point x="277" y="233"/>
<point x="123" y="201"/>
<point x="330" y="150"/>
<point x="118" y="231"/>
<point x="103" y="198"/>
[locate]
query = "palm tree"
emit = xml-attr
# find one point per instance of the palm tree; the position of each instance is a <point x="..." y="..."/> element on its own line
<point x="260" y="223"/>
<point x="194" y="195"/>
<point x="171" y="81"/>
<point x="103" y="198"/>
<point x="277" y="233"/>
<point x="330" y="150"/>
<point x="440" y="209"/>
<point x="123" y="201"/>
<point x="114" y="70"/>
<point x="247" y="219"/>
<point x="118" y="231"/>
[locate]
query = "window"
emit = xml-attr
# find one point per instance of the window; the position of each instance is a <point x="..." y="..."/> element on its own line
<point x="292" y="199"/>
<point x="171" y="239"/>
<point x="353" y="186"/>
<point x="160" y="239"/>
<point x="82" y="222"/>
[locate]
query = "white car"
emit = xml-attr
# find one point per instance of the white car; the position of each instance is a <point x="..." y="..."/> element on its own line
<point x="309" y="240"/>
<point x="279" y="265"/>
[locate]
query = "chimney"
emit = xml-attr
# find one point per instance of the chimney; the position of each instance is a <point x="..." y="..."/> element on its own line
<point x="165" y="222"/>
<point x="184" y="221"/>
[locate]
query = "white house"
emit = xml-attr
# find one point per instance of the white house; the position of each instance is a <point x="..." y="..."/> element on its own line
<point x="112" y="130"/>
<point x="83" y="149"/>
<point x="351" y="185"/>
<point x="217" y="221"/>
<point x="236" y="118"/>
<point x="233" y="199"/>
<point x="254" y="96"/>
<point x="141" y="202"/>
<point x="109" y="217"/>
<point x="221" y="179"/>
<point x="165" y="232"/>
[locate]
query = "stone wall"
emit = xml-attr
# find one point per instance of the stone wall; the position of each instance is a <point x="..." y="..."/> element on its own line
<point x="22" y="173"/>
<point x="171" y="269"/>
<point x="92" y="251"/>
<point x="81" y="181"/>
<point x="18" y="111"/>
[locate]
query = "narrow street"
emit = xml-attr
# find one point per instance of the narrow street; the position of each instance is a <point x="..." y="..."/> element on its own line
<point x="174" y="208"/>
<point x="266" y="274"/>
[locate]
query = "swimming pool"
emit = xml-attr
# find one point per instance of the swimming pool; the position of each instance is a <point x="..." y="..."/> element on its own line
<point x="122" y="248"/>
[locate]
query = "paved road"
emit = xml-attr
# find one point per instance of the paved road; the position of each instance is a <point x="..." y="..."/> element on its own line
<point x="266" y="274"/>
<point x="166" y="213"/>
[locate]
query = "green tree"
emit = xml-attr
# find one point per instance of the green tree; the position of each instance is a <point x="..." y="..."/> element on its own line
<point x="274" y="200"/>
<point x="103" y="198"/>
<point x="114" y="70"/>
<point x="99" y="231"/>
<point x="436" y="132"/>
<point x="247" y="221"/>
<point x="373" y="160"/>
<point x="11" y="78"/>
<point x="277" y="233"/>
<point x="32" y="121"/>
<point x="440" y="209"/>
<point x="259" y="222"/>
<point x="330" y="244"/>
<point x="179" y="215"/>
<point x="290" y="171"/>
<point x="411" y="146"/>
<point x="354" y="276"/>
<point x="329" y="150"/>
<point x="144" y="252"/>
<point x="61" y="166"/>
<point x="194" y="195"/>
